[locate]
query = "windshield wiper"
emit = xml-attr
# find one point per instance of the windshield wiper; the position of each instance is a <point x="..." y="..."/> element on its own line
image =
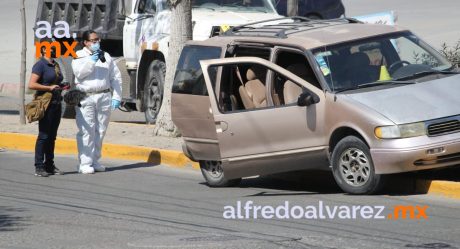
<point x="376" y="83"/>
<point x="385" y="82"/>
<point x="425" y="73"/>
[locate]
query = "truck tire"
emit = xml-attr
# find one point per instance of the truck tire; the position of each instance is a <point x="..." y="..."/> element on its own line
<point x="65" y="64"/>
<point x="153" y="90"/>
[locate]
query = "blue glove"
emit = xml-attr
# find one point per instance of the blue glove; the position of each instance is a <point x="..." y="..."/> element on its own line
<point x="115" y="104"/>
<point x="95" y="56"/>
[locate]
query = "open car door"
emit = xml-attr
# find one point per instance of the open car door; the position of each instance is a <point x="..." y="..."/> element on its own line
<point x="263" y="139"/>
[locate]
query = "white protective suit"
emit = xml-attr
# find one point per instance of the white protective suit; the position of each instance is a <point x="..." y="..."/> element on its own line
<point x="94" y="114"/>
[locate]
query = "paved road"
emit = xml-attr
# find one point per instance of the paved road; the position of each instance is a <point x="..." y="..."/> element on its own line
<point x="435" y="21"/>
<point x="135" y="205"/>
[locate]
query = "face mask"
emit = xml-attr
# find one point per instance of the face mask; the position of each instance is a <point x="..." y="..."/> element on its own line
<point x="95" y="46"/>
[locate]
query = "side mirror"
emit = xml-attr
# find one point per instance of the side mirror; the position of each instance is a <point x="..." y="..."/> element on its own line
<point x="307" y="99"/>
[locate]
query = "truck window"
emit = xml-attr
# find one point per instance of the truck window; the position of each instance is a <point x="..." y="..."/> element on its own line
<point x="146" y="7"/>
<point x="189" y="77"/>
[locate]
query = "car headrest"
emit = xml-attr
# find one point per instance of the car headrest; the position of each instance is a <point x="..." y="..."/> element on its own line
<point x="359" y="59"/>
<point x="250" y="75"/>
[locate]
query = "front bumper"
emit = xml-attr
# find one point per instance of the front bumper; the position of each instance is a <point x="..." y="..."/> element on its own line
<point x="419" y="153"/>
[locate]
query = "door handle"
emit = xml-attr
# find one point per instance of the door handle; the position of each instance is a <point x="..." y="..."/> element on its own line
<point x="221" y="126"/>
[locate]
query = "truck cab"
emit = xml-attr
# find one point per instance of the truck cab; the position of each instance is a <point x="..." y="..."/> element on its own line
<point x="146" y="38"/>
<point x="136" y="34"/>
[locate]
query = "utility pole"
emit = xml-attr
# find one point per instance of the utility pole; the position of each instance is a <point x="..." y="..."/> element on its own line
<point x="22" y="80"/>
<point x="292" y="7"/>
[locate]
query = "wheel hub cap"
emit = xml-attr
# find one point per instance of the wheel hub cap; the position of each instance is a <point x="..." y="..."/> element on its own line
<point x="354" y="167"/>
<point x="214" y="168"/>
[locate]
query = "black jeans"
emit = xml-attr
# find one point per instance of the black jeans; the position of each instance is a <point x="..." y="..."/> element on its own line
<point x="47" y="131"/>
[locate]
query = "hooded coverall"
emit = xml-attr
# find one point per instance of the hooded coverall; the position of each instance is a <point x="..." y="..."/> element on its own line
<point x="98" y="80"/>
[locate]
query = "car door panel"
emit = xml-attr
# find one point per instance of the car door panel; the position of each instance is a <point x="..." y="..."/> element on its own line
<point x="268" y="140"/>
<point x="196" y="124"/>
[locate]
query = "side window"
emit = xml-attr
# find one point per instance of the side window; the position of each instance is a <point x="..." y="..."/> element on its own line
<point x="242" y="87"/>
<point x="284" y="91"/>
<point x="241" y="51"/>
<point x="146" y="7"/>
<point x="189" y="76"/>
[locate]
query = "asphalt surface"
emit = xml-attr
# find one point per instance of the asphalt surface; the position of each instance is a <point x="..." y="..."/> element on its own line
<point x="136" y="205"/>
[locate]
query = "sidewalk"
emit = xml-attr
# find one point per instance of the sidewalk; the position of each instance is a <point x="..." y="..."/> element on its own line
<point x="123" y="140"/>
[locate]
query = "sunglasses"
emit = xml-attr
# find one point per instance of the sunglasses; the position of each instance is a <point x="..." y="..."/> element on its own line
<point x="95" y="40"/>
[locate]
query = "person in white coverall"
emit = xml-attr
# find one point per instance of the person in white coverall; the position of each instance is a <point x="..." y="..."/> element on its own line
<point x="97" y="75"/>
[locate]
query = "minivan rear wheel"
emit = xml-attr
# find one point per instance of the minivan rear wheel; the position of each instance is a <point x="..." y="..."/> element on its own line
<point x="214" y="175"/>
<point x="353" y="168"/>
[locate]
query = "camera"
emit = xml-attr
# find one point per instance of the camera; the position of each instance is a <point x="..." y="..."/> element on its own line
<point x="101" y="56"/>
<point x="64" y="85"/>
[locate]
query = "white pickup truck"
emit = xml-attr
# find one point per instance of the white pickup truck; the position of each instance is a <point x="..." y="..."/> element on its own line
<point x="146" y="38"/>
<point x="136" y="32"/>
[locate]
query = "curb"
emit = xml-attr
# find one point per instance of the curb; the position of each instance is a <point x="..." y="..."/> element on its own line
<point x="171" y="158"/>
<point x="445" y="188"/>
<point x="177" y="159"/>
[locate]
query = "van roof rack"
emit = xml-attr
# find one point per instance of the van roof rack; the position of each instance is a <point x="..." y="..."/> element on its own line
<point x="282" y="30"/>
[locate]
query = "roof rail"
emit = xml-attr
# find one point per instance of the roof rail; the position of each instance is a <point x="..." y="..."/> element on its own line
<point x="281" y="30"/>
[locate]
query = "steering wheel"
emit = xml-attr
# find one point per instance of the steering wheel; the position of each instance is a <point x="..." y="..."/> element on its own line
<point x="394" y="64"/>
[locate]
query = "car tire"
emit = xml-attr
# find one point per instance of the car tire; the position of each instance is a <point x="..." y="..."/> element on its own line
<point x="214" y="175"/>
<point x="153" y="90"/>
<point x="314" y="16"/>
<point x="353" y="168"/>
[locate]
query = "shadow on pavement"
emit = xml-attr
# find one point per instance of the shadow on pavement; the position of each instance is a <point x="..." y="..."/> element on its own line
<point x="296" y="183"/>
<point x="131" y="122"/>
<point x="153" y="160"/>
<point x="132" y="166"/>
<point x="9" y="222"/>
<point x="322" y="182"/>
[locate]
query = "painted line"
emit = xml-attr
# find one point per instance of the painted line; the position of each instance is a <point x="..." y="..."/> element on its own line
<point x="172" y="158"/>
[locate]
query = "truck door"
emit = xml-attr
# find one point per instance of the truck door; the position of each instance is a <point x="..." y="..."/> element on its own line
<point x="142" y="15"/>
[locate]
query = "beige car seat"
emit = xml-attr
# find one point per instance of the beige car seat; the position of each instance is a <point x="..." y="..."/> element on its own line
<point x="292" y="91"/>
<point x="253" y="92"/>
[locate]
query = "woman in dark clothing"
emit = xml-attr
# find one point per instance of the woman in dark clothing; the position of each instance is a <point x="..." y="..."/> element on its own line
<point x="46" y="77"/>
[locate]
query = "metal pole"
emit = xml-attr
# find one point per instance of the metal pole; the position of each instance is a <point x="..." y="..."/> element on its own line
<point x="22" y="83"/>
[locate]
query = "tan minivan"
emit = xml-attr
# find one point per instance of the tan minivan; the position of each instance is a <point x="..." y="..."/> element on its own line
<point x="363" y="100"/>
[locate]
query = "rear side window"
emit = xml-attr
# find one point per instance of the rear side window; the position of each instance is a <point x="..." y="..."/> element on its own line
<point x="189" y="78"/>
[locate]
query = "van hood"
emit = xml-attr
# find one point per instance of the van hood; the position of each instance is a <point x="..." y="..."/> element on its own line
<point x="205" y="19"/>
<point x="417" y="102"/>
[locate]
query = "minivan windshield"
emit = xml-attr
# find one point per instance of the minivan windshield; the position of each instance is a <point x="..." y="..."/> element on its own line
<point x="394" y="59"/>
<point x="264" y="6"/>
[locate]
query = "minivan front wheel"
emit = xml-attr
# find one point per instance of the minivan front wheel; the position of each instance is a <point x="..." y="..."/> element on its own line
<point x="214" y="175"/>
<point x="353" y="168"/>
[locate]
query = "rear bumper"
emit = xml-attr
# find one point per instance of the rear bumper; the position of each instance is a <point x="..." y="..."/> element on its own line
<point x="442" y="152"/>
